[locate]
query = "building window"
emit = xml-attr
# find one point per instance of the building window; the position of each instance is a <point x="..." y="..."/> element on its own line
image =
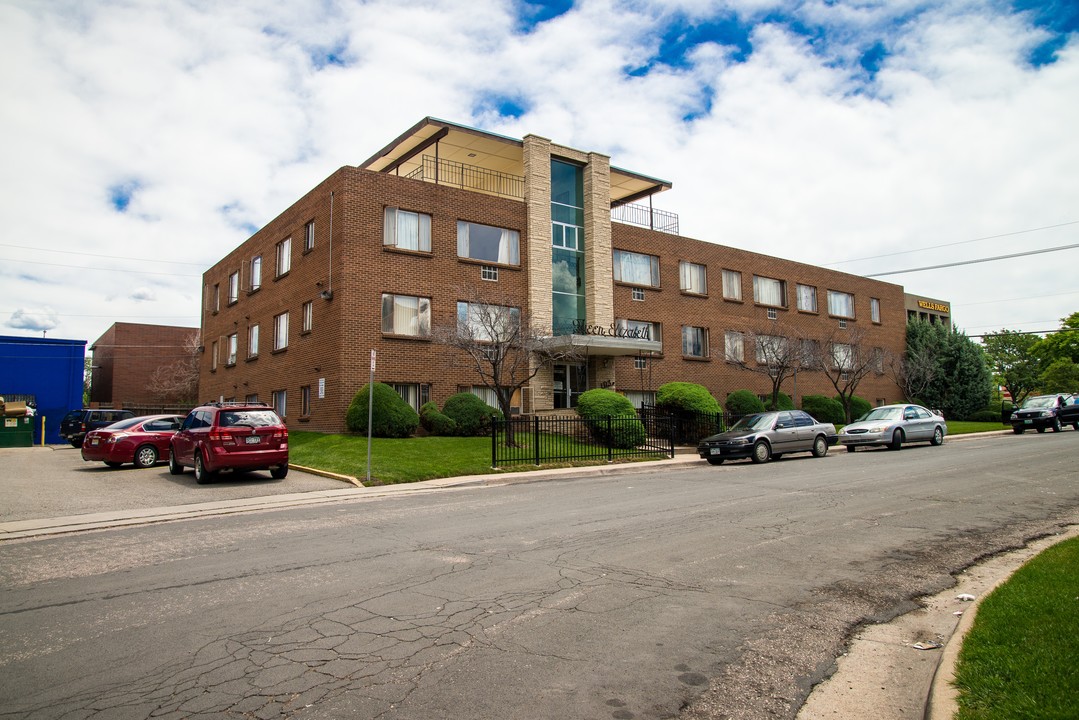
<point x="305" y="401"/>
<point x="769" y="291"/>
<point x="771" y="349"/>
<point x="732" y="285"/>
<point x="641" y="398"/>
<point x="252" y="398"/>
<point x="487" y="322"/>
<point x="487" y="243"/>
<point x="407" y="230"/>
<point x="415" y="394"/>
<point x="216" y="298"/>
<point x="253" y="341"/>
<point x="309" y="236"/>
<point x="637" y="294"/>
<point x="489" y="272"/>
<point x="874" y="309"/>
<point x="636" y="268"/>
<point x="878" y="360"/>
<point x="406" y="315"/>
<point x="279" y="402"/>
<point x="640" y="363"/>
<point x="694" y="341"/>
<point x="638" y="330"/>
<point x="280" y="331"/>
<point x="734" y="346"/>
<point x="213" y="356"/>
<point x="284" y="256"/>
<point x="308" y="317"/>
<point x="840" y="304"/>
<point x="234" y="287"/>
<point x="256" y="272"/>
<point x="807" y="298"/>
<point x="232" y="344"/>
<point x="773" y="314"/>
<point x="694" y="278"/>
<point x="842" y="357"/>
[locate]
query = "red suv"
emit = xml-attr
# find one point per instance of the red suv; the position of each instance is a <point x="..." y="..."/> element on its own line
<point x="230" y="436"/>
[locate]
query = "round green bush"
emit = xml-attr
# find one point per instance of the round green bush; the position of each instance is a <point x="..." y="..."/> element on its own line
<point x="743" y="402"/>
<point x="472" y="415"/>
<point x="859" y="406"/>
<point x="985" y="416"/>
<point x="626" y="429"/>
<point x="392" y="417"/>
<point x="824" y="409"/>
<point x="784" y="402"/>
<point x="435" y="422"/>
<point x="675" y="396"/>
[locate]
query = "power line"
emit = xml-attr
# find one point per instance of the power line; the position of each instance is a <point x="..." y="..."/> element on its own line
<point x="975" y="262"/>
<point x="84" y="267"/>
<point x="111" y="257"/>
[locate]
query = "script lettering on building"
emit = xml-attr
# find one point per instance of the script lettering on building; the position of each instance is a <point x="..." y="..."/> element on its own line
<point x="580" y="327"/>
<point x="927" y="305"/>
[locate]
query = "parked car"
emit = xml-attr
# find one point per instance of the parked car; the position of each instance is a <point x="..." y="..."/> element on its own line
<point x="1043" y="412"/>
<point x="139" y="440"/>
<point x="230" y="436"/>
<point x="75" y="425"/>
<point x="894" y="425"/>
<point x="764" y="436"/>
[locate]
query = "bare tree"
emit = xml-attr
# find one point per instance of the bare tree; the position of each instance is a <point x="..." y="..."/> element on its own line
<point x="778" y="353"/>
<point x="502" y="345"/>
<point x="846" y="359"/>
<point x="915" y="371"/>
<point x="178" y="382"/>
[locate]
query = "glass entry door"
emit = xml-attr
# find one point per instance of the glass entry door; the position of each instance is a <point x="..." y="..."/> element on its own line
<point x="569" y="382"/>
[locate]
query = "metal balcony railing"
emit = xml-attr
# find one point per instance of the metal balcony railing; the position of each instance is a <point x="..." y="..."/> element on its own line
<point x="469" y="177"/>
<point x="646" y="216"/>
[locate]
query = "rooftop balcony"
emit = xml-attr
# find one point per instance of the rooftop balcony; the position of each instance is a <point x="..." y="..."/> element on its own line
<point x="646" y="216"/>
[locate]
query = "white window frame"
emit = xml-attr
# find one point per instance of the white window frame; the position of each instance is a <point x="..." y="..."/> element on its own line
<point x="233" y="349"/>
<point x="410" y="321"/>
<point x="307" y="320"/>
<point x="489" y="273"/>
<point x="280" y="331"/>
<point x="256" y="272"/>
<point x="688" y="341"/>
<point x="807" y="298"/>
<point x="640" y="363"/>
<point x="284" y="256"/>
<point x="253" y="341"/>
<point x="629" y="268"/>
<point x="653" y="329"/>
<point x="693" y="277"/>
<point x="734" y="346"/>
<point x="234" y="287"/>
<point x="309" y="236"/>
<point x="841" y="304"/>
<point x="769" y="291"/>
<point x="397" y="230"/>
<point x="874" y="309"/>
<point x="732" y="285"/>
<point x="509" y="244"/>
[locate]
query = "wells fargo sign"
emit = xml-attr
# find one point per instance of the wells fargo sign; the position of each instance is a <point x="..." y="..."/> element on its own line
<point x="927" y="305"/>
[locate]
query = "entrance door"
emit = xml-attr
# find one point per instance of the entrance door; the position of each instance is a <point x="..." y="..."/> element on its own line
<point x="569" y="382"/>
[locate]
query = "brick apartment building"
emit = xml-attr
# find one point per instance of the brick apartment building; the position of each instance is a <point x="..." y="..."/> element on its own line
<point x="446" y="218"/>
<point x="125" y="358"/>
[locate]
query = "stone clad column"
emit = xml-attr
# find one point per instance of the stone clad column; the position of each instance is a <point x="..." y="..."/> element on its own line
<point x="537" y="169"/>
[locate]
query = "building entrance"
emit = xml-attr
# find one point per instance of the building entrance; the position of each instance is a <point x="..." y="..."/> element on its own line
<point x="569" y="382"/>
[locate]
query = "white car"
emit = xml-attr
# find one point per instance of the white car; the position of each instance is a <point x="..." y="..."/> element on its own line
<point x="894" y="425"/>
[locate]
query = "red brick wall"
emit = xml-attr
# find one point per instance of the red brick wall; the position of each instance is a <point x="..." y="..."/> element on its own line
<point x="127" y="355"/>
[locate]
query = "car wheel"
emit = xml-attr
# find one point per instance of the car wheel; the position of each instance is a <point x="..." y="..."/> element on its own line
<point x="146" y="456"/>
<point x="761" y="452"/>
<point x="1056" y="425"/>
<point x="1041" y="429"/>
<point x="1018" y="430"/>
<point x="202" y="475"/>
<point x="820" y="446"/>
<point x="279" y="473"/>
<point x="851" y="448"/>
<point x="897" y="440"/>
<point x="714" y="461"/>
<point x="75" y="442"/>
<point x="938" y="436"/>
<point x="1075" y="425"/>
<point x="113" y="464"/>
<point x="175" y="468"/>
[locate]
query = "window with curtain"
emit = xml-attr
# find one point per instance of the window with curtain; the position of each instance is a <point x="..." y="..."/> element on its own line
<point x="487" y="243"/>
<point x="406" y="315"/>
<point x="308" y="316"/>
<point x="284" y="256"/>
<point x="280" y="331"/>
<point x="638" y="329"/>
<point x="771" y="349"/>
<point x="279" y="402"/>
<point x="694" y="341"/>
<point x="842" y="356"/>
<point x="234" y="287"/>
<point x="256" y="272"/>
<point x="232" y="349"/>
<point x="734" y="346"/>
<point x="732" y="285"/>
<point x="769" y="291"/>
<point x="407" y="230"/>
<point x="840" y="304"/>
<point x="807" y="298"/>
<point x="309" y="236"/>
<point x="874" y="309"/>
<point x="636" y="268"/>
<point x="415" y="394"/>
<point x="694" y="278"/>
<point x="487" y="322"/>
<point x="253" y="341"/>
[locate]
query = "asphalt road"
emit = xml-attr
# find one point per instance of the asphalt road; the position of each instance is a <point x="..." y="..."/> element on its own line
<point x="694" y="592"/>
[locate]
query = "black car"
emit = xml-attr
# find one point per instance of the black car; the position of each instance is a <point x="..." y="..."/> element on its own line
<point x="77" y="423"/>
<point x="1046" y="412"/>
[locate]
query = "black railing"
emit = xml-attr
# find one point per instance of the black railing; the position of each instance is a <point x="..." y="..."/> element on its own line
<point x="538" y="440"/>
<point x="689" y="427"/>
<point x="645" y="216"/>
<point x="469" y="177"/>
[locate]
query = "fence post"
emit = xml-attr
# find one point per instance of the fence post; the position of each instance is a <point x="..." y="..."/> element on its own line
<point x="535" y="436"/>
<point x="610" y="441"/>
<point x="494" y="441"/>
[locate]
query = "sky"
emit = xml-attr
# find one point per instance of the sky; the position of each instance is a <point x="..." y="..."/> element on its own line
<point x="143" y="140"/>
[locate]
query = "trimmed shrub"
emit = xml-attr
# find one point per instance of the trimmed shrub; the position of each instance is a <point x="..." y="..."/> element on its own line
<point x="626" y="429"/>
<point x="392" y="417"/>
<point x="824" y="409"/>
<point x="992" y="416"/>
<point x="784" y="402"/>
<point x="675" y="396"/>
<point x="435" y="422"/>
<point x="859" y="406"/>
<point x="743" y="402"/>
<point x="472" y="415"/>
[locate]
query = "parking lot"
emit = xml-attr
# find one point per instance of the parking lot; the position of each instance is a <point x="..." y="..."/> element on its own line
<point x="54" y="481"/>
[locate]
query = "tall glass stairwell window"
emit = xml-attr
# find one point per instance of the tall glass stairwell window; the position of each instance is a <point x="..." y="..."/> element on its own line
<point x="567" y="239"/>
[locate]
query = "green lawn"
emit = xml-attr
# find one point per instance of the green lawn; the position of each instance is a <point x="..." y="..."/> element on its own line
<point x="1021" y="657"/>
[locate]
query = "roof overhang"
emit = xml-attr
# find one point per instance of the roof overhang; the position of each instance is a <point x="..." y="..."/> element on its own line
<point x="602" y="345"/>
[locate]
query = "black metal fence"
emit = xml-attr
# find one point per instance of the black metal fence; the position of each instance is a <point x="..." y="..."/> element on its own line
<point x="688" y="427"/>
<point x="540" y="440"/>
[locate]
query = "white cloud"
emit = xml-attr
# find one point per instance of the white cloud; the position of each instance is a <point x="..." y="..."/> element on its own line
<point x="34" y="319"/>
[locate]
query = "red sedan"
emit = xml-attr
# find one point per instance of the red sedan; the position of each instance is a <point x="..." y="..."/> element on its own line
<point x="140" y="440"/>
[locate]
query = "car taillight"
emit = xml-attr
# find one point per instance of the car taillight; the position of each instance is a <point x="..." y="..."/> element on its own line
<point x="222" y="437"/>
<point x="281" y="434"/>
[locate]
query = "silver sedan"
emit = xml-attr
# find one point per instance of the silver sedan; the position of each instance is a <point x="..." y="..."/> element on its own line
<point x="893" y="425"/>
<point x="764" y="436"/>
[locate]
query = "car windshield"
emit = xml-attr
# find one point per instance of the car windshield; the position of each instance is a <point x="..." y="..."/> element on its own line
<point x="884" y="413"/>
<point x="760" y="421"/>
<point x="1040" y="402"/>
<point x="126" y="423"/>
<point x="249" y="418"/>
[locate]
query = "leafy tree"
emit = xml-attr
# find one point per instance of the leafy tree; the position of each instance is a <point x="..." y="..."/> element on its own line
<point x="1013" y="360"/>
<point x="1063" y="344"/>
<point x="1061" y="376"/>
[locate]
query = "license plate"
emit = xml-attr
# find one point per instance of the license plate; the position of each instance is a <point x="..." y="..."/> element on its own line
<point x="715" y="451"/>
<point x="94" y="441"/>
<point x="252" y="439"/>
<point x="1028" y="422"/>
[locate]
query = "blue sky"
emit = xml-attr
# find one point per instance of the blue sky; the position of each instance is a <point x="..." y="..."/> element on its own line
<point x="144" y="140"/>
